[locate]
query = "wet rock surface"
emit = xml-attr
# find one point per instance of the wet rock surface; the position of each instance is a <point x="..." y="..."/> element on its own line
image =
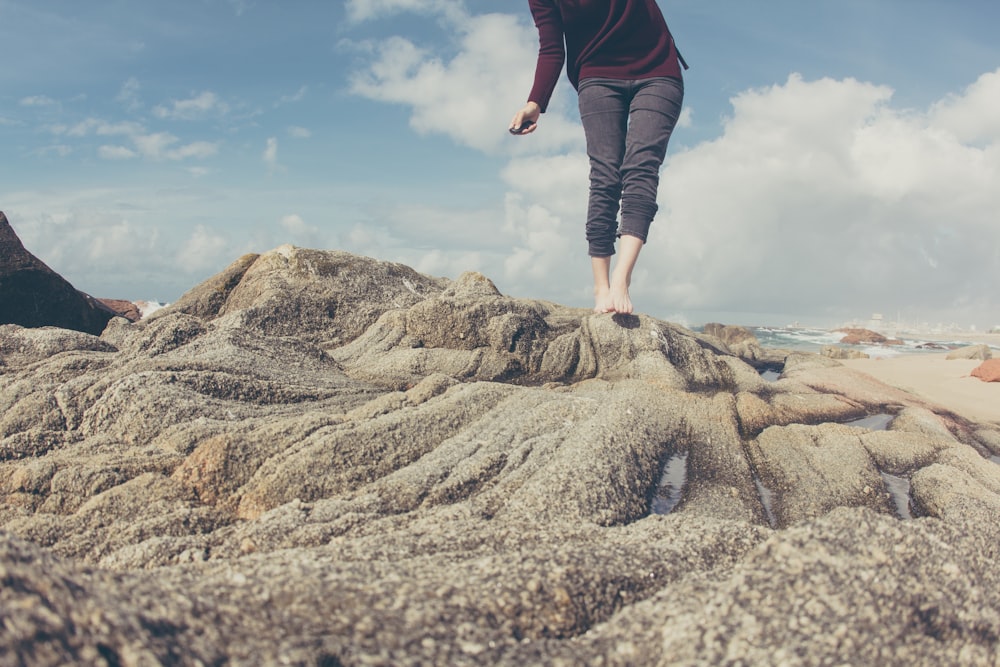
<point x="316" y="458"/>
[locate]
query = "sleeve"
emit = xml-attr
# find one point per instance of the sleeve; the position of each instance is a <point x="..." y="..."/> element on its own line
<point x="551" y="51"/>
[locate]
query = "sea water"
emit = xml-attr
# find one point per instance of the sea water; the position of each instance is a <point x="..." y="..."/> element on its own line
<point x="805" y="339"/>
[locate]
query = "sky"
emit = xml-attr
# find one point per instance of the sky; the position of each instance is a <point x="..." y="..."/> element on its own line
<point x="834" y="159"/>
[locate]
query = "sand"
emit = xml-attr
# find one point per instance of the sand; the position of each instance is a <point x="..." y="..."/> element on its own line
<point x="945" y="382"/>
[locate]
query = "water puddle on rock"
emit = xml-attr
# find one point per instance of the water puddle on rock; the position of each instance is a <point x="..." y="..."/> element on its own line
<point x="671" y="488"/>
<point x="770" y="376"/>
<point x="899" y="491"/>
<point x="878" y="422"/>
<point x="995" y="458"/>
<point x="766" y="500"/>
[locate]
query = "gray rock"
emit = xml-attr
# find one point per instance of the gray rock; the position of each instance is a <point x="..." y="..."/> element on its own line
<point x="317" y="458"/>
<point x="981" y="352"/>
<point x="837" y="352"/>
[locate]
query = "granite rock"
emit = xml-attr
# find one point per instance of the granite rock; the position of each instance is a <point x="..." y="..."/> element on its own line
<point x="316" y="458"/>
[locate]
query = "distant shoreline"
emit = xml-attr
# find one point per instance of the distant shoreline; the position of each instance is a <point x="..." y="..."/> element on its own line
<point x="914" y="342"/>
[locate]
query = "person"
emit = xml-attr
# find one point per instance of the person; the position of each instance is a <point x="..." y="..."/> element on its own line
<point x="621" y="58"/>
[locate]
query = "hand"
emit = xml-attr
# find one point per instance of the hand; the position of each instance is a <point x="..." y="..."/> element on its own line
<point x="525" y="121"/>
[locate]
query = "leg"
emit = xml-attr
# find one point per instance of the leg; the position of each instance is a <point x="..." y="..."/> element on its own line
<point x="604" y="113"/>
<point x="622" y="276"/>
<point x="654" y="110"/>
<point x="603" y="302"/>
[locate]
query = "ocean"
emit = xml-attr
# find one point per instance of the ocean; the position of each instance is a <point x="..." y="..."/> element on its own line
<point x="812" y="340"/>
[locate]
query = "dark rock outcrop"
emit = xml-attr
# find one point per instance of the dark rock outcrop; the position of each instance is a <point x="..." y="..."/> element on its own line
<point x="318" y="458"/>
<point x="33" y="295"/>
<point x="123" y="308"/>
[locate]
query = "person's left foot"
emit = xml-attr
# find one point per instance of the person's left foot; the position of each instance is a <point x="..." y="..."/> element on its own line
<point x="620" y="301"/>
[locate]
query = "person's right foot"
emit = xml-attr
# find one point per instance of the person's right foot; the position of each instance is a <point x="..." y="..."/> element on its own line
<point x="603" y="303"/>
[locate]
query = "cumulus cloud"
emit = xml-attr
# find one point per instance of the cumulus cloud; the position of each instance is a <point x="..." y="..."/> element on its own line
<point x="96" y="248"/>
<point x="818" y="197"/>
<point x="270" y="155"/>
<point x="204" y="250"/>
<point x="128" y="95"/>
<point x="821" y="194"/>
<point x="198" y="106"/>
<point x="298" y="96"/>
<point x="36" y="101"/>
<point x="471" y="95"/>
<point x="150" y="145"/>
<point x="363" y="10"/>
<point x="972" y="116"/>
<point x="164" y="146"/>
<point x="115" y="153"/>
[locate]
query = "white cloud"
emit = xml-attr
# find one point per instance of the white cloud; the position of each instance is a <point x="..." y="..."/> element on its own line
<point x="973" y="116"/>
<point x="150" y="145"/>
<point x="128" y="95"/>
<point x="195" y="107"/>
<point x="298" y="96"/>
<point x="115" y="153"/>
<point x="270" y="155"/>
<point x="99" y="127"/>
<point x="363" y="10"/>
<point x="821" y="195"/>
<point x="162" y="146"/>
<point x="299" y="132"/>
<point x="204" y="250"/>
<point x="36" y="101"/>
<point x="196" y="149"/>
<point x="472" y="96"/>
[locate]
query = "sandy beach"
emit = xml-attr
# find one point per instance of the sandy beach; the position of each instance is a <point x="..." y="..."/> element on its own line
<point x="938" y="380"/>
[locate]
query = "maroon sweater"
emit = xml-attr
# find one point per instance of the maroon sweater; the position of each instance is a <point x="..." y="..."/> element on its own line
<point x="615" y="39"/>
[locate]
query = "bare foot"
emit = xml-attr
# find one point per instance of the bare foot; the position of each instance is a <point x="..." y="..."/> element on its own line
<point x="603" y="303"/>
<point x="620" y="301"/>
<point x="622" y="277"/>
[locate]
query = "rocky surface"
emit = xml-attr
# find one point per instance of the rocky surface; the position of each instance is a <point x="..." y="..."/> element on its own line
<point x="315" y="458"/>
<point x="33" y="295"/>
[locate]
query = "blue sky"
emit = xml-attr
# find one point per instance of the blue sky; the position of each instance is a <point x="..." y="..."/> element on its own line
<point x="834" y="159"/>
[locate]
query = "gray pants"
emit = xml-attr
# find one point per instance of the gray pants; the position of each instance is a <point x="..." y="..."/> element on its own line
<point x="628" y="124"/>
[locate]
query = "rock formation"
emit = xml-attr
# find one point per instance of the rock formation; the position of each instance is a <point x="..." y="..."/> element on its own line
<point x="33" y="295"/>
<point x="866" y="337"/>
<point x="981" y="352"/>
<point x="988" y="371"/>
<point x="837" y="352"/>
<point x="316" y="458"/>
